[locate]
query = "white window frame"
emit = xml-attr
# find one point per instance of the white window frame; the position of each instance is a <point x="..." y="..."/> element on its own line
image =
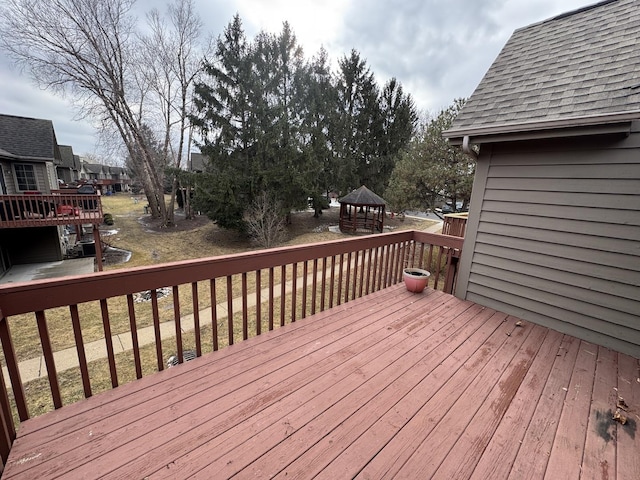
<point x="33" y="172"/>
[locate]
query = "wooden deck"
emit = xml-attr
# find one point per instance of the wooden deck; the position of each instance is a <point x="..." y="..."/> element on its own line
<point x="391" y="385"/>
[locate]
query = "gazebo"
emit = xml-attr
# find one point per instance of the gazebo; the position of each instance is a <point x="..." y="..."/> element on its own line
<point x="362" y="211"/>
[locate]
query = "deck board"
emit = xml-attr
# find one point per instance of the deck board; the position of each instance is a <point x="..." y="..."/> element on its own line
<point x="392" y="385"/>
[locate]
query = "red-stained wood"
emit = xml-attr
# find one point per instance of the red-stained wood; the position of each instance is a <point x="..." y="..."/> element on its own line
<point x="245" y="308"/>
<point x="258" y="302"/>
<point x="214" y="314"/>
<point x="323" y="285"/>
<point x="294" y="291"/>
<point x="271" y="295"/>
<point x="230" y="332"/>
<point x="600" y="446"/>
<point x="238" y="399"/>
<point x="340" y="279"/>
<point x="565" y="459"/>
<point x="391" y="385"/>
<point x="111" y="357"/>
<point x="47" y="353"/>
<point x="177" y="321"/>
<point x="283" y="296"/>
<point x="12" y="368"/>
<point x="196" y="318"/>
<point x="156" y="328"/>
<point x="499" y="454"/>
<point x="541" y="431"/>
<point x="628" y="436"/>
<point x="470" y="444"/>
<point x="305" y="281"/>
<point x="7" y="428"/>
<point x="82" y="357"/>
<point x="416" y="367"/>
<point x="332" y="282"/>
<point x="134" y="337"/>
<point x="476" y="411"/>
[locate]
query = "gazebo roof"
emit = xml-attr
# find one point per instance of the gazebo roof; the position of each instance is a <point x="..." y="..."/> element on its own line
<point x="363" y="196"/>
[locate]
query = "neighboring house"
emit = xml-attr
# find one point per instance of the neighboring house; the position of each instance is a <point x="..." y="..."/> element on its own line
<point x="68" y="169"/>
<point x="554" y="226"/>
<point x="28" y="155"/>
<point x="94" y="171"/>
<point x="105" y="178"/>
<point x="120" y="178"/>
<point x="33" y="212"/>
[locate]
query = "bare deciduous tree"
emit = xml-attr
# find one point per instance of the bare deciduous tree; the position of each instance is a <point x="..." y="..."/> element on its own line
<point x="265" y="221"/>
<point x="172" y="59"/>
<point x="88" y="50"/>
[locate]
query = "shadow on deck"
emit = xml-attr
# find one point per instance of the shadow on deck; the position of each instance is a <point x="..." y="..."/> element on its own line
<point x="390" y="385"/>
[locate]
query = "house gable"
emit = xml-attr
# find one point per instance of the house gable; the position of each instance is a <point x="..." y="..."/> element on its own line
<point x="554" y="221"/>
<point x="29" y="138"/>
<point x="579" y="68"/>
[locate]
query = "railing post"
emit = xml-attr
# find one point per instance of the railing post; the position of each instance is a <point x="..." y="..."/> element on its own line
<point x="12" y="368"/>
<point x="8" y="429"/>
<point x="98" y="246"/>
<point x="452" y="270"/>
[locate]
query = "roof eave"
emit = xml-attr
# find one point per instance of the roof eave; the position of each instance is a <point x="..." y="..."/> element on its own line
<point x="575" y="126"/>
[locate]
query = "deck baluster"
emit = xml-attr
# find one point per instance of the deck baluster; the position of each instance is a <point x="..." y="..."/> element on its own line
<point x="196" y="317"/>
<point x="214" y="314"/>
<point x="245" y="308"/>
<point x="294" y="291"/>
<point x="106" y="324"/>
<point x="47" y="353"/>
<point x="176" y="319"/>
<point x="82" y="357"/>
<point x="258" y="302"/>
<point x="305" y="274"/>
<point x="230" y="333"/>
<point x="134" y="336"/>
<point x="156" y="328"/>
<point x="347" y="280"/>
<point x="283" y="293"/>
<point x="12" y="368"/>
<point x="7" y="427"/>
<point x="271" y="286"/>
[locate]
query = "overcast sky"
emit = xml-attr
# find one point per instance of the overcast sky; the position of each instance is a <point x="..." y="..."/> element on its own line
<point x="438" y="49"/>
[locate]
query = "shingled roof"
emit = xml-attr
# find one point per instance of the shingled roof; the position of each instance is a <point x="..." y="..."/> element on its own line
<point x="28" y="138"/>
<point x="362" y="196"/>
<point x="66" y="152"/>
<point x="580" y="65"/>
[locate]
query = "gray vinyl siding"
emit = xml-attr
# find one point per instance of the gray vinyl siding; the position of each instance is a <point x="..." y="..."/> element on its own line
<point x="554" y="237"/>
<point x="41" y="174"/>
<point x="31" y="245"/>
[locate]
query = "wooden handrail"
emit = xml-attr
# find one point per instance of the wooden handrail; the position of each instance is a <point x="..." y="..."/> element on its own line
<point x="37" y="210"/>
<point x="312" y="277"/>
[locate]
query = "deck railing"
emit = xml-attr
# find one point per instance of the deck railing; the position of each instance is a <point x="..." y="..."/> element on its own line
<point x="37" y="210"/>
<point x="255" y="291"/>
<point x="455" y="224"/>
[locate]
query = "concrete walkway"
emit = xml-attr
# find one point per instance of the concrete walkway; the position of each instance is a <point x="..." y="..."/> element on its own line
<point x="66" y="359"/>
<point x="39" y="271"/>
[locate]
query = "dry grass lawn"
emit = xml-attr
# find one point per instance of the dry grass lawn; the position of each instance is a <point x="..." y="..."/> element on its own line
<point x="149" y="244"/>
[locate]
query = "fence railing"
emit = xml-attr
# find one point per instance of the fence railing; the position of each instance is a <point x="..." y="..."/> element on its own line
<point x="205" y="305"/>
<point x="36" y="209"/>
<point x="455" y="224"/>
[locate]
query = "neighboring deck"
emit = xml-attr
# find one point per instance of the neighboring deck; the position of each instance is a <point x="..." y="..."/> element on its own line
<point x="389" y="385"/>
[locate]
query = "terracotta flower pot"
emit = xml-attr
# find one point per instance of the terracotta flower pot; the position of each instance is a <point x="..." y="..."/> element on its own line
<point x="415" y="279"/>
